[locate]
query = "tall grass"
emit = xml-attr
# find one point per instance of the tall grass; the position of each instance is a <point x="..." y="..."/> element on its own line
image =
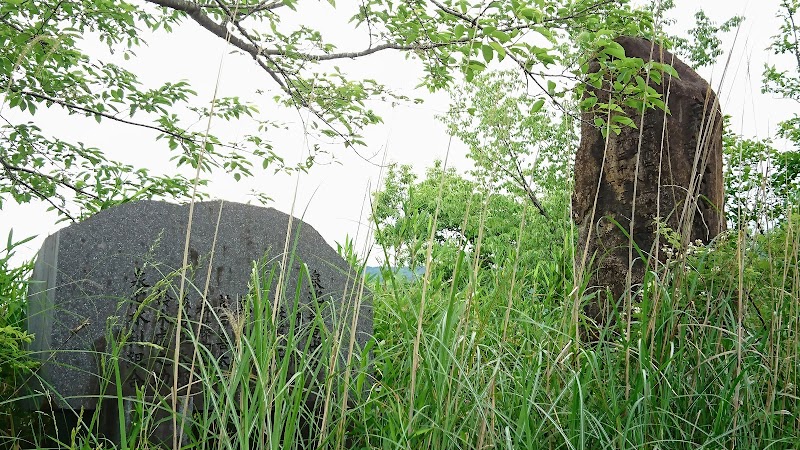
<point x="486" y="382"/>
<point x="687" y="386"/>
<point x="476" y="357"/>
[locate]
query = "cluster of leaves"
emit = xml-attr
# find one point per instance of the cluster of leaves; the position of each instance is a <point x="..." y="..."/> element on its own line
<point x="628" y="80"/>
<point x="15" y="359"/>
<point x="625" y="83"/>
<point x="516" y="147"/>
<point x="703" y="47"/>
<point x="468" y="218"/>
<point x="762" y="182"/>
<point x="511" y="210"/>
<point x="15" y="362"/>
<point x="786" y="83"/>
<point x="758" y="190"/>
<point x="43" y="64"/>
<point x="468" y="36"/>
<point x="757" y="269"/>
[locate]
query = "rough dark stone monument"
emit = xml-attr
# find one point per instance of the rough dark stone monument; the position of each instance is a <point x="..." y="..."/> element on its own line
<point x="680" y="178"/>
<point x="117" y="276"/>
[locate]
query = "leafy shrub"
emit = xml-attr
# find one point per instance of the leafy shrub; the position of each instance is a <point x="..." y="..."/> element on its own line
<point x="15" y="363"/>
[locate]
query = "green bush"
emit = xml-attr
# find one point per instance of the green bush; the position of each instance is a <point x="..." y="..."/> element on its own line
<point x="15" y="363"/>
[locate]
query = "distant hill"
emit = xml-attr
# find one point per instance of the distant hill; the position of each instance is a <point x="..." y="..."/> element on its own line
<point x="405" y="272"/>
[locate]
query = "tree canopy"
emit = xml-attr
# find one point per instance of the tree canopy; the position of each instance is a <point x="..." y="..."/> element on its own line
<point x="46" y="64"/>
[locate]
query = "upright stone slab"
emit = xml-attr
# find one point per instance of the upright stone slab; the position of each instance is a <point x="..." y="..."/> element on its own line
<point x="680" y="177"/>
<point x="117" y="276"/>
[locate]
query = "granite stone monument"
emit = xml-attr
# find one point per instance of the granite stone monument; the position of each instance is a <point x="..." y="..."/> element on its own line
<point x="114" y="281"/>
<point x="667" y="170"/>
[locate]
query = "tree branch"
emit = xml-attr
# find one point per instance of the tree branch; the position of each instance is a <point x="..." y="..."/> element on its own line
<point x="9" y="167"/>
<point x="86" y="110"/>
<point x="196" y="13"/>
<point x="72" y="106"/>
<point x="522" y="182"/>
<point x="249" y="11"/>
<point x="454" y="13"/>
<point x="15" y="179"/>
<point x="286" y="83"/>
<point x="796" y="44"/>
<point x="245" y="42"/>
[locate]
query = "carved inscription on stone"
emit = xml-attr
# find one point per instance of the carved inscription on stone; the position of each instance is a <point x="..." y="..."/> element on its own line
<point x="148" y="328"/>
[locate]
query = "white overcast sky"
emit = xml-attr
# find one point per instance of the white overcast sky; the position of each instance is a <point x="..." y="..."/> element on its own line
<point x="332" y="195"/>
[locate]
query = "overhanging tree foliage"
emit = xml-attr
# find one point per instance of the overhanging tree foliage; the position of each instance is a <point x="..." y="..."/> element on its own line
<point x="44" y="64"/>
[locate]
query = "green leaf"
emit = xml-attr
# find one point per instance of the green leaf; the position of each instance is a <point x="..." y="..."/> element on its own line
<point x="501" y="52"/>
<point x="599" y="122"/>
<point x="530" y="14"/>
<point x="614" y="49"/>
<point x="469" y="75"/>
<point x="655" y="76"/>
<point x="610" y="106"/>
<point x="551" y="87"/>
<point x="624" y="120"/>
<point x="588" y="103"/>
<point x="658" y="103"/>
<point x="487" y="52"/>
<point x="537" y="105"/>
<point x="546" y="33"/>
<point x="671" y="71"/>
<point x="458" y="31"/>
<point x="501" y="36"/>
<point x="476" y="65"/>
<point x="634" y="103"/>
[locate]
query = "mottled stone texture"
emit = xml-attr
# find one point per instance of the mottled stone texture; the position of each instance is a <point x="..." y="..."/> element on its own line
<point x="679" y="178"/>
<point x="117" y="275"/>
